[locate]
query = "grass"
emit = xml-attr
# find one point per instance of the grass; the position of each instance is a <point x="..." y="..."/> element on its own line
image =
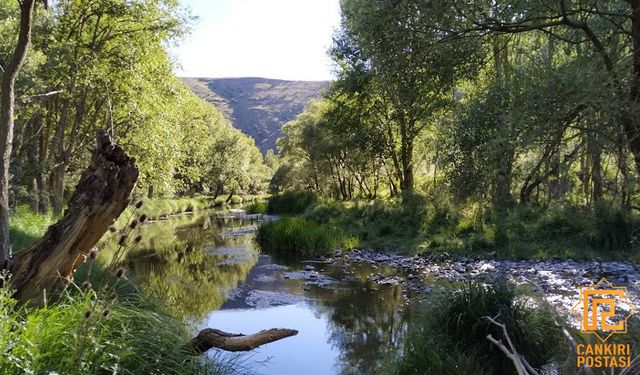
<point x="256" y="208"/>
<point x="294" y="236"/>
<point x="433" y="224"/>
<point x="159" y="208"/>
<point x="89" y="332"/>
<point x="25" y="227"/>
<point x="450" y="337"/>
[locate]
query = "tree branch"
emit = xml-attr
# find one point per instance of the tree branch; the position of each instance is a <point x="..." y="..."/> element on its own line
<point x="521" y="364"/>
<point x="214" y="338"/>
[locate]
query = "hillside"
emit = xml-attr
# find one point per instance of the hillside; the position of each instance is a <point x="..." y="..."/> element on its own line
<point x="257" y="106"/>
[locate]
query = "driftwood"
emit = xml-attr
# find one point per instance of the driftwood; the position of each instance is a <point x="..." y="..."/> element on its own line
<point x="103" y="192"/>
<point x="214" y="338"/>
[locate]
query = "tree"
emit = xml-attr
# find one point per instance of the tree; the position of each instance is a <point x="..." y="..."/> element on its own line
<point x="608" y="31"/>
<point x="7" y="101"/>
<point x="412" y="73"/>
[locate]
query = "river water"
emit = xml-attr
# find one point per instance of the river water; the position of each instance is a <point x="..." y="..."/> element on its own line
<point x="210" y="272"/>
<point x="351" y="310"/>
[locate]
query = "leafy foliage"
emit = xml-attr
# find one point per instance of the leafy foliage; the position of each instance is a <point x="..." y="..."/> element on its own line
<point x="291" y="202"/>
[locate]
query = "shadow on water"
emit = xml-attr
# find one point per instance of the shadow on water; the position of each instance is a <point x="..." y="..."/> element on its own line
<point x="208" y="269"/>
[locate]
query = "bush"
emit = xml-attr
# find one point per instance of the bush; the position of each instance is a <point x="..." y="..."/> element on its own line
<point x="603" y="226"/>
<point x="256" y="208"/>
<point x="612" y="227"/>
<point x="454" y="329"/>
<point x="291" y="202"/>
<point x="294" y="236"/>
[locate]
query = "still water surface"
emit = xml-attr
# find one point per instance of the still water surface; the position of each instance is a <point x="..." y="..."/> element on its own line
<point x="211" y="273"/>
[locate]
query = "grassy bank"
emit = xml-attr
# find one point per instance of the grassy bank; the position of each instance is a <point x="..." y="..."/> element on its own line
<point x="89" y="331"/>
<point x="449" y="335"/>
<point x="102" y="324"/>
<point x="433" y="224"/>
<point x="294" y="236"/>
<point x="160" y="208"/>
<point x="25" y="227"/>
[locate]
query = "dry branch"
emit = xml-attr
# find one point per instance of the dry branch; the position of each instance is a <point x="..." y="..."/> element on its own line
<point x="522" y="366"/>
<point x="214" y="338"/>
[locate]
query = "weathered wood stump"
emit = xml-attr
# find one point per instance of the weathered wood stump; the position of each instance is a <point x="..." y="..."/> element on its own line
<point x="103" y="192"/>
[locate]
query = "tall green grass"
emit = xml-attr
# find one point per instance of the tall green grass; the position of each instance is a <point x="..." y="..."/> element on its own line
<point x="257" y="208"/>
<point x="294" y="236"/>
<point x="433" y="223"/>
<point x="451" y="334"/>
<point x="87" y="333"/>
<point x="25" y="227"/>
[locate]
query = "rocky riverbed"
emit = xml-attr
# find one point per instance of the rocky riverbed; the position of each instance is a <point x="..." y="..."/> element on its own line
<point x="557" y="280"/>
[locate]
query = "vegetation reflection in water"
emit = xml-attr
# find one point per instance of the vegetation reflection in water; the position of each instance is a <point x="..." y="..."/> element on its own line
<point x="177" y="264"/>
<point x="192" y="263"/>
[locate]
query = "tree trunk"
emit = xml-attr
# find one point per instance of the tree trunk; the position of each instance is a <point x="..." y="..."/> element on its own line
<point x="214" y="338"/>
<point x="35" y="197"/>
<point x="7" y="102"/>
<point x="57" y="187"/>
<point x="629" y="123"/>
<point x="502" y="186"/>
<point x="100" y="197"/>
<point x="43" y="194"/>
<point x="407" y="164"/>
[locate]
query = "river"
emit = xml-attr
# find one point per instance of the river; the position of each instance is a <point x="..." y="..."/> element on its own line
<point x="351" y="310"/>
<point x="211" y="273"/>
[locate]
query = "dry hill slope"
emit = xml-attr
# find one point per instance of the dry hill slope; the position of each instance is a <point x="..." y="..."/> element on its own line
<point x="257" y="106"/>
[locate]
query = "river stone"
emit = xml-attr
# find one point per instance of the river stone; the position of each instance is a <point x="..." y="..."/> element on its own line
<point x="261" y="299"/>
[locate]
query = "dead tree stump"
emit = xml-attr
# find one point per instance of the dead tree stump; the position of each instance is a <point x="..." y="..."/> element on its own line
<point x="103" y="192"/>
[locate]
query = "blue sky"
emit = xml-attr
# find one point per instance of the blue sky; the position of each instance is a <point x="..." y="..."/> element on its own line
<point x="285" y="39"/>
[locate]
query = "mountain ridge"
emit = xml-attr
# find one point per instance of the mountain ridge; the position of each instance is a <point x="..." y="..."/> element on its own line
<point x="255" y="105"/>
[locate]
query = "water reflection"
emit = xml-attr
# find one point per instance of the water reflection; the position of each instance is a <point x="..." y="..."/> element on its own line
<point x="209" y="269"/>
<point x="191" y="264"/>
<point x="365" y="323"/>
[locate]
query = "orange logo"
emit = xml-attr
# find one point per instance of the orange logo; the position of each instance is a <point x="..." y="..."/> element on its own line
<point x="596" y="309"/>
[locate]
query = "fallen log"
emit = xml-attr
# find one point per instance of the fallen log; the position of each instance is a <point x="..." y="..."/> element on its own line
<point x="103" y="192"/>
<point x="210" y="338"/>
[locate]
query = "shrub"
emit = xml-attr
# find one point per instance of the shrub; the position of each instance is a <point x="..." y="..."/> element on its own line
<point x="256" y="208"/>
<point x="294" y="236"/>
<point x="559" y="222"/>
<point x="612" y="227"/>
<point x="291" y="202"/>
<point x="454" y="329"/>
